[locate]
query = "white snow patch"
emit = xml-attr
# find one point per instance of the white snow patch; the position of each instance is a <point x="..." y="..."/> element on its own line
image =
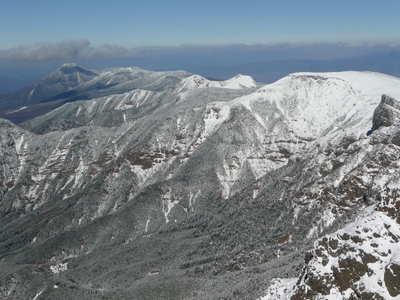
<point x="80" y="171"/>
<point x="31" y="94"/>
<point x="255" y="193"/>
<point x="327" y="218"/>
<point x="70" y="178"/>
<point x="105" y="103"/>
<point x="133" y="99"/>
<point x="78" y="111"/>
<point x="17" y="110"/>
<point x="226" y="187"/>
<point x="18" y="143"/>
<point x="312" y="232"/>
<point x="167" y="204"/>
<point x="216" y="113"/>
<point x="193" y="197"/>
<point x="280" y="289"/>
<point x="61" y="267"/>
<point x="38" y="294"/>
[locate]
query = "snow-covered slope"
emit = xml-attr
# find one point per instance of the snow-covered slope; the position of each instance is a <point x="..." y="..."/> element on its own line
<point x="197" y="81"/>
<point x="126" y="79"/>
<point x="181" y="183"/>
<point x="315" y="104"/>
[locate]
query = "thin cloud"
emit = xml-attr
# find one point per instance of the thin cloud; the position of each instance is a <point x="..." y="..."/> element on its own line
<point x="69" y="49"/>
<point x="238" y="53"/>
<point x="189" y="55"/>
<point x="105" y="50"/>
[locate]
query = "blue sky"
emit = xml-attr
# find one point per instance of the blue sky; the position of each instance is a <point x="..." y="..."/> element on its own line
<point x="141" y="23"/>
<point x="215" y="38"/>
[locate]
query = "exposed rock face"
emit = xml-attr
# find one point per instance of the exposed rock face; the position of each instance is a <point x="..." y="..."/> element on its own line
<point x="357" y="262"/>
<point x="386" y="113"/>
<point x="202" y="192"/>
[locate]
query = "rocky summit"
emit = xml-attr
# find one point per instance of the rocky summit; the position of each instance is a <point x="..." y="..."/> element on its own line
<point x="167" y="185"/>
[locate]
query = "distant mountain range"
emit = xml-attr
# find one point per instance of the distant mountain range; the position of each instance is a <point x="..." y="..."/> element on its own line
<point x="167" y="185"/>
<point x="265" y="63"/>
<point x="71" y="82"/>
<point x="270" y="70"/>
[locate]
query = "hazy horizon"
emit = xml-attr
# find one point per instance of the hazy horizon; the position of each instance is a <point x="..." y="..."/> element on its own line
<point x="264" y="39"/>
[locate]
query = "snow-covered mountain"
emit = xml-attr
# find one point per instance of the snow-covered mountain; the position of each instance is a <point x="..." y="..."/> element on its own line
<point x="197" y="81"/>
<point x="71" y="82"/>
<point x="64" y="79"/>
<point x="201" y="189"/>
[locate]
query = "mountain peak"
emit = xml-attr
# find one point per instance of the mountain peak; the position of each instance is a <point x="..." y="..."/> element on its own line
<point x="196" y="81"/>
<point x="70" y="74"/>
<point x="68" y="65"/>
<point x="69" y="68"/>
<point x="240" y="81"/>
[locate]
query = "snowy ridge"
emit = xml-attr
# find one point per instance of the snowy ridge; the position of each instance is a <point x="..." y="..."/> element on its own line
<point x="314" y="104"/>
<point x="239" y="82"/>
<point x="197" y="81"/>
<point x="130" y="78"/>
<point x="133" y="99"/>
